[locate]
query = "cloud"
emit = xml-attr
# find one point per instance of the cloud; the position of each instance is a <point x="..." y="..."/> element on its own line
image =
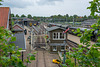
<point x="26" y="3"/>
<point x="48" y="7"/>
<point x="18" y="3"/>
<point x="47" y="2"/>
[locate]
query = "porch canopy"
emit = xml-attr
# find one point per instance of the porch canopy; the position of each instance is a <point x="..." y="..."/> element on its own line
<point x="57" y="44"/>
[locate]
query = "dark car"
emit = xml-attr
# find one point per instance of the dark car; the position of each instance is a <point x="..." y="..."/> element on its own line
<point x="29" y="38"/>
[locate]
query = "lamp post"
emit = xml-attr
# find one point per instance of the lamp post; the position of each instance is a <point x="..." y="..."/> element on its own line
<point x="64" y="58"/>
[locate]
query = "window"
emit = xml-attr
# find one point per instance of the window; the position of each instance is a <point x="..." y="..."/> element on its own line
<point x="62" y="48"/>
<point x="55" y="35"/>
<point x="59" y="36"/>
<point x="54" y="48"/>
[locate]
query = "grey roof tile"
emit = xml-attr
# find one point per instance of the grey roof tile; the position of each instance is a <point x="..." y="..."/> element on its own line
<point x="53" y="28"/>
<point x="20" y="41"/>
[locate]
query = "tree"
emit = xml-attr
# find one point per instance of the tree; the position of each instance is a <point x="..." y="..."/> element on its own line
<point x="12" y="15"/>
<point x="23" y="15"/>
<point x="87" y="57"/>
<point x="0" y="2"/>
<point x="85" y="17"/>
<point x="90" y="17"/>
<point x="29" y="16"/>
<point x="6" y="48"/>
<point x="67" y="15"/>
<point x="17" y="15"/>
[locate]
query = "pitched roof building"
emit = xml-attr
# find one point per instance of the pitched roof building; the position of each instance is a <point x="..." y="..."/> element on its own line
<point x="17" y="28"/>
<point x="57" y="40"/>
<point x="5" y="17"/>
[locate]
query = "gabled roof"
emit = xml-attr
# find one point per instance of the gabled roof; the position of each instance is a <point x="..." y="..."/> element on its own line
<point x="20" y="40"/>
<point x="21" y="27"/>
<point x="54" y="28"/>
<point x="4" y="16"/>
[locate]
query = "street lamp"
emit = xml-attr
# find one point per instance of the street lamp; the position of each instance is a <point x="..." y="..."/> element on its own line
<point x="64" y="58"/>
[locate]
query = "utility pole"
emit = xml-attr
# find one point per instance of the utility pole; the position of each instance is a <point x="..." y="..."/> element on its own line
<point x="66" y="19"/>
<point x="64" y="58"/>
<point x="73" y="21"/>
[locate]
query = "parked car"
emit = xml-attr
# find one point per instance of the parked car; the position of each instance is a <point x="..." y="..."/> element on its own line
<point x="56" y="61"/>
<point x="29" y="38"/>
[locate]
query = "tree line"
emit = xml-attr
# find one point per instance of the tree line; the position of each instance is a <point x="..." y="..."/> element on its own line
<point x="58" y="18"/>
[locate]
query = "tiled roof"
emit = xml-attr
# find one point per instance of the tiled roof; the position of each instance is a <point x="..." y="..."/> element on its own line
<point x="20" y="40"/>
<point x="18" y="26"/>
<point x="54" y="28"/>
<point x="4" y="16"/>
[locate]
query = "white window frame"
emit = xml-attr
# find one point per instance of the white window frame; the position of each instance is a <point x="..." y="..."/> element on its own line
<point x="58" y="36"/>
<point x="61" y="49"/>
<point x="53" y="48"/>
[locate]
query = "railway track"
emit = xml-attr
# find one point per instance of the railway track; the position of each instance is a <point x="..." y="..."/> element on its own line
<point x="38" y="58"/>
<point x="72" y="44"/>
<point x="44" y="58"/>
<point x="41" y="61"/>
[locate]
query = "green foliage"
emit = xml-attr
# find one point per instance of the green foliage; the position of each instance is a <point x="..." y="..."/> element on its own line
<point x="0" y="2"/>
<point x="23" y="15"/>
<point x="17" y="15"/>
<point x="29" y="16"/>
<point x="12" y="15"/>
<point x="63" y="65"/>
<point x="9" y="56"/>
<point x="12" y="22"/>
<point x="89" y="55"/>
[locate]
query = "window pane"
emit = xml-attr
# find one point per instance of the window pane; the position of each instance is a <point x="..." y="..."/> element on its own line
<point x="54" y="35"/>
<point x="57" y="35"/>
<point x="61" y="35"/>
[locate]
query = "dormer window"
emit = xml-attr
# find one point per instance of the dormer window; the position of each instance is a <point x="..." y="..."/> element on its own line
<point x="59" y="36"/>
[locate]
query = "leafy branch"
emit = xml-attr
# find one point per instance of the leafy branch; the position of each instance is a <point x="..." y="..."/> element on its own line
<point x="9" y="56"/>
<point x="88" y="56"/>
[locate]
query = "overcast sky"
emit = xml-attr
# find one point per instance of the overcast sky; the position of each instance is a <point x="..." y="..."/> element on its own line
<point x="48" y="7"/>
